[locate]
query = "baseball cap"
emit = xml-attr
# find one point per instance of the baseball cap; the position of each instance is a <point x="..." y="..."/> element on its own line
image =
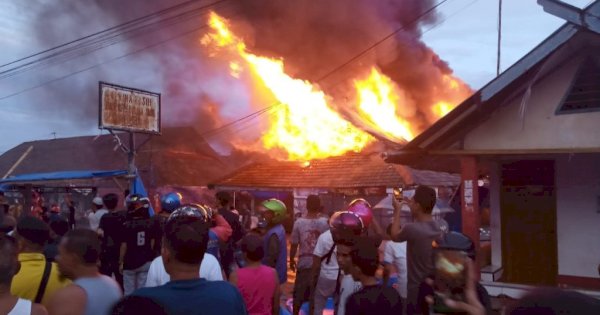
<point x="98" y="201"/>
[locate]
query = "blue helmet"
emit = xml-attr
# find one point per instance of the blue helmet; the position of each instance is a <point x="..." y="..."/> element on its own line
<point x="204" y="213"/>
<point x="170" y="202"/>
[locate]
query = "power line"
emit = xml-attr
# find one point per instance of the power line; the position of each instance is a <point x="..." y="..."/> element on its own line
<point x="102" y="39"/>
<point x="103" y="63"/>
<point x="132" y="22"/>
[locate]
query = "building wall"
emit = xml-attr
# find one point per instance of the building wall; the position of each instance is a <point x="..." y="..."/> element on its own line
<point x="541" y="128"/>
<point x="578" y="215"/>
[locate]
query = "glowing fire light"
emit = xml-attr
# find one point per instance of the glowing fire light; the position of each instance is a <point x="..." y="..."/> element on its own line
<point x="303" y="125"/>
<point x="378" y="98"/>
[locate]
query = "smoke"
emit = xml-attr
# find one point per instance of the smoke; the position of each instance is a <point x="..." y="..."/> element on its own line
<point x="313" y="37"/>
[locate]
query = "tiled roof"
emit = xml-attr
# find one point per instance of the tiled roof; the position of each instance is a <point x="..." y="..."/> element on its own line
<point x="178" y="157"/>
<point x="348" y="171"/>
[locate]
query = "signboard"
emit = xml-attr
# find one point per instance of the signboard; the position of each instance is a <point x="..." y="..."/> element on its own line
<point x="128" y="109"/>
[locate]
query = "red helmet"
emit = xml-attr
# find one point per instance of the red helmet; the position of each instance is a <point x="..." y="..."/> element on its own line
<point x="363" y="210"/>
<point x="345" y="224"/>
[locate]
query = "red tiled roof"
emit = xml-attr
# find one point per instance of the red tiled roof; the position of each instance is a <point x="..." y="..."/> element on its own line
<point x="348" y="171"/>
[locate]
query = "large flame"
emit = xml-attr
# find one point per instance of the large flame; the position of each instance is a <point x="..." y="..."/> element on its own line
<point x="378" y="98"/>
<point x="303" y="124"/>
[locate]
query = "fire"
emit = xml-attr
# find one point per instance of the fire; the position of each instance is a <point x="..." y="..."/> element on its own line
<point x="304" y="123"/>
<point x="378" y="96"/>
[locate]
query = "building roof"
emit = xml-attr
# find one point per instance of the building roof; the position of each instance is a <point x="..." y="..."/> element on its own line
<point x="177" y="157"/>
<point x="451" y="128"/>
<point x="348" y="171"/>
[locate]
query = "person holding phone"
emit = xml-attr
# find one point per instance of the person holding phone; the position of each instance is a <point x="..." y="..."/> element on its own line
<point x="419" y="235"/>
<point x="453" y="256"/>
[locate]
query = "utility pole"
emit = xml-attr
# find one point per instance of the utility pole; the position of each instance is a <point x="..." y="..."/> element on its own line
<point x="499" y="36"/>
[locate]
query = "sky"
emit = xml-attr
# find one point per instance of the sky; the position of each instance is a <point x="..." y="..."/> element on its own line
<point x="466" y="37"/>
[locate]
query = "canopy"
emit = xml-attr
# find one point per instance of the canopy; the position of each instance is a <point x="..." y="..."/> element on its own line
<point x="53" y="177"/>
<point x="59" y="176"/>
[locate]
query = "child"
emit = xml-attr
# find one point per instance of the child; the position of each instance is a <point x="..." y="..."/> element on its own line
<point x="258" y="284"/>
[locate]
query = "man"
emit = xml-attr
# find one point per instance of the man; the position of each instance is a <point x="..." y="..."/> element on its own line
<point x="305" y="233"/>
<point x="38" y="278"/>
<point x="210" y="269"/>
<point x="373" y="298"/>
<point x="139" y="237"/>
<point x="184" y="245"/>
<point x="9" y="266"/>
<point x="274" y="212"/>
<point x="419" y="236"/>
<point x="91" y="292"/>
<point x="229" y="247"/>
<point x="110" y="231"/>
<point x="347" y="284"/>
<point x="96" y="213"/>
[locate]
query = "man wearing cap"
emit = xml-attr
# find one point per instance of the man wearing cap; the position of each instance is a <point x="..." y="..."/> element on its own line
<point x="96" y="214"/>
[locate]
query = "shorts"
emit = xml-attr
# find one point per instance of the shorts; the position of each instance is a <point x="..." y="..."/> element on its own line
<point x="302" y="286"/>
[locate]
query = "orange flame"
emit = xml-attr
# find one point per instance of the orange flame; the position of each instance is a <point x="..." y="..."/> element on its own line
<point x="378" y="97"/>
<point x="304" y="125"/>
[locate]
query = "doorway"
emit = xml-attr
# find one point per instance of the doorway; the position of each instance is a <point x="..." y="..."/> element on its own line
<point x="528" y="214"/>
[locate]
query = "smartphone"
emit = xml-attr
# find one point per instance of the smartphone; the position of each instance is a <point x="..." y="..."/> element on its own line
<point x="450" y="278"/>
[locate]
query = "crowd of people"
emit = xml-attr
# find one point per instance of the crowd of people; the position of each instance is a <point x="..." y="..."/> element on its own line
<point x="200" y="259"/>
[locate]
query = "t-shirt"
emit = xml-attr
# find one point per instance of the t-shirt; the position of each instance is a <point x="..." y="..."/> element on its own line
<point x="138" y="234"/>
<point x="347" y="287"/>
<point x="395" y="254"/>
<point x="329" y="270"/>
<point x="257" y="286"/>
<point x="25" y="284"/>
<point x="209" y="270"/>
<point x="305" y="233"/>
<point x="419" y="237"/>
<point x="196" y="297"/>
<point x="111" y="225"/>
<point x="374" y="299"/>
<point x="94" y="218"/>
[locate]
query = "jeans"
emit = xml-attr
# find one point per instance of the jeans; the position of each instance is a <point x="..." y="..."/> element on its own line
<point x="135" y="278"/>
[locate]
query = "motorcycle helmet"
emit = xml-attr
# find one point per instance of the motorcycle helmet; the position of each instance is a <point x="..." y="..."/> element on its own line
<point x="363" y="209"/>
<point x="170" y="202"/>
<point x="277" y="207"/>
<point x="192" y="210"/>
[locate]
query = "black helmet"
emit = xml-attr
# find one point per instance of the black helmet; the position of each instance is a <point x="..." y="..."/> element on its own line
<point x="138" y="206"/>
<point x="456" y="241"/>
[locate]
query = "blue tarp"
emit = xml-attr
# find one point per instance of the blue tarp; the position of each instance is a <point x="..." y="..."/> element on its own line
<point x="138" y="186"/>
<point x="66" y="175"/>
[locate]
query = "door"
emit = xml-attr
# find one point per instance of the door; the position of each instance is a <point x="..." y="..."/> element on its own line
<point x="528" y="214"/>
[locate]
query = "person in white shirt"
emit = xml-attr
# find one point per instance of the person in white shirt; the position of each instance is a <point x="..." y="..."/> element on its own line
<point x="325" y="272"/>
<point x="394" y="258"/>
<point x="210" y="269"/>
<point x="96" y="214"/>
